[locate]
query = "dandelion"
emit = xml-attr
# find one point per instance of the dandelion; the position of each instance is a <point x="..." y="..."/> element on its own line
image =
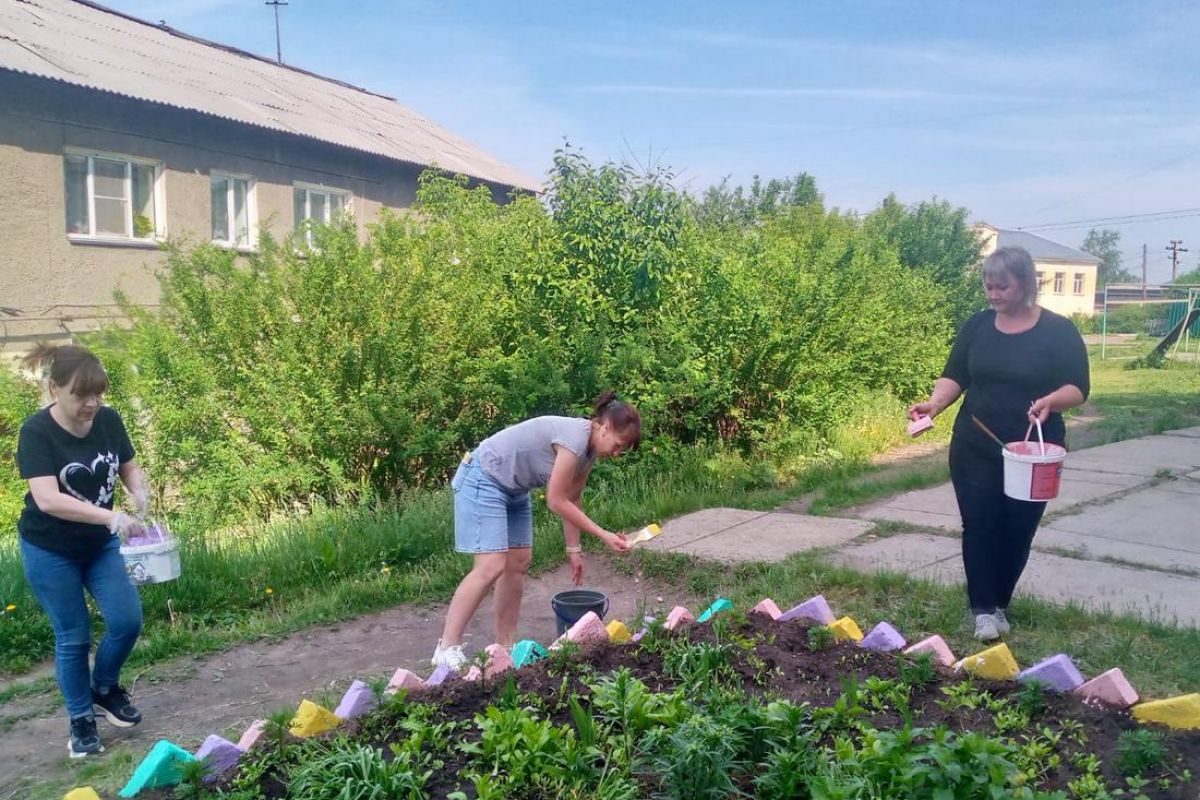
<point x="11" y="607"/>
<point x="270" y="590"/>
<point x="386" y="569"/>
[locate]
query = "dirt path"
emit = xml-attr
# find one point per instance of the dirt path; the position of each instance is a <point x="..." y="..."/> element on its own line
<point x="187" y="699"/>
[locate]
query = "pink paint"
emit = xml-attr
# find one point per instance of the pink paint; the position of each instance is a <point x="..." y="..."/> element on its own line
<point x="589" y="628"/>
<point x="935" y="645"/>
<point x="767" y="606"/>
<point x="1110" y="688"/>
<point x="919" y="426"/>
<point x="499" y="660"/>
<point x="404" y="679"/>
<point x="473" y="674"/>
<point x="677" y="617"/>
<point x="252" y="736"/>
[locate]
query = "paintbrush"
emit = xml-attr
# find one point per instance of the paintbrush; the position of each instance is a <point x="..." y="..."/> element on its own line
<point x="986" y="430"/>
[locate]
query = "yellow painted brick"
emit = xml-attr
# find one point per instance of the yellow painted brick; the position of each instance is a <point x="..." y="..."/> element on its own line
<point x="311" y="719"/>
<point x="996" y="663"/>
<point x="1177" y="712"/>
<point x="846" y="628"/>
<point x="618" y="633"/>
<point x="82" y="793"/>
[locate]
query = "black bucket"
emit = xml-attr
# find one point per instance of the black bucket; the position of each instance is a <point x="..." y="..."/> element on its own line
<point x="570" y="606"/>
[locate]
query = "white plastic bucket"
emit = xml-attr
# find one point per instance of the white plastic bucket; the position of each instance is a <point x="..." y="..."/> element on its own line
<point x="153" y="562"/>
<point x="1033" y="470"/>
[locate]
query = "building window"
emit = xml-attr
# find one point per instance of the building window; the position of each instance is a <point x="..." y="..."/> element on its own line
<point x="1078" y="283"/>
<point x="1060" y="278"/>
<point x="1041" y="280"/>
<point x="112" y="197"/>
<point x="233" y="211"/>
<point x="317" y="204"/>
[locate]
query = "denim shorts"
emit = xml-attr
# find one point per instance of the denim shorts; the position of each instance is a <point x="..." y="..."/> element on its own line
<point x="487" y="517"/>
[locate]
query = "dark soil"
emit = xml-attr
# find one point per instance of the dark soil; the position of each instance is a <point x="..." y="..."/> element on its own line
<point x="781" y="665"/>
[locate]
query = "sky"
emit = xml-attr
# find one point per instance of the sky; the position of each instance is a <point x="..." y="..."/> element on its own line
<point x="1025" y="113"/>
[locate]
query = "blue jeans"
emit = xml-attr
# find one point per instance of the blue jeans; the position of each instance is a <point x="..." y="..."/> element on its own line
<point x="487" y="517"/>
<point x="58" y="583"/>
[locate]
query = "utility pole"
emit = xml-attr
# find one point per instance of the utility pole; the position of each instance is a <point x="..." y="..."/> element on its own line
<point x="278" y="46"/>
<point x="1175" y="251"/>
<point x="1143" y="273"/>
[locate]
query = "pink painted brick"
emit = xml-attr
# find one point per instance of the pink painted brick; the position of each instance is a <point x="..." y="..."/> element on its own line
<point x="937" y="646"/>
<point x="473" y="674"/>
<point x="677" y="617"/>
<point x="884" y="638"/>
<point x="219" y="755"/>
<point x="1110" y="688"/>
<point x="252" y="736"/>
<point x="404" y="679"/>
<point x="589" y="628"/>
<point x="767" y="606"/>
<point x="498" y="660"/>
<point x="815" y="609"/>
<point x="358" y="700"/>
<point x="1057" y="672"/>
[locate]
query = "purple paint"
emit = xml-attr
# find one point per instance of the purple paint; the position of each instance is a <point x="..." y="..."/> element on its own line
<point x="884" y="638"/>
<point x="358" y="700"/>
<point x="815" y="609"/>
<point x="440" y="676"/>
<point x="219" y="756"/>
<point x="1056" y="672"/>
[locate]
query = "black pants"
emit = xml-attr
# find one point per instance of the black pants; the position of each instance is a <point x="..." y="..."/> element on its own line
<point x="997" y="530"/>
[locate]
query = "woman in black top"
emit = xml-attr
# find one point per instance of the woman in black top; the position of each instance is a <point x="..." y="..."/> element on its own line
<point x="1017" y="363"/>
<point x="72" y="453"/>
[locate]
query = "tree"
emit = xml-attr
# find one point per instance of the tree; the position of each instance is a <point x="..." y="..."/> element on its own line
<point x="1105" y="244"/>
<point x="723" y="206"/>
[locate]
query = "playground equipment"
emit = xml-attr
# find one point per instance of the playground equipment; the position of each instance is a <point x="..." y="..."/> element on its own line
<point x="1177" y="319"/>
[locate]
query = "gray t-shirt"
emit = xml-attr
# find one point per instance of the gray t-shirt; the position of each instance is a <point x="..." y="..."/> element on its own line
<point x="520" y="457"/>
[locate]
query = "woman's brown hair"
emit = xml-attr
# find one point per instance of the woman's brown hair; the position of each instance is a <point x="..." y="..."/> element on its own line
<point x="67" y="362"/>
<point x="620" y="416"/>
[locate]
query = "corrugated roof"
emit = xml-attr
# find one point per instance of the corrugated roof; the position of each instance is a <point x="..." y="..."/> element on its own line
<point x="85" y="44"/>
<point x="1043" y="249"/>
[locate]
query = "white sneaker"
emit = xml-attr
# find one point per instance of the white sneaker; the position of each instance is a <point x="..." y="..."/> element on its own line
<point x="986" y="628"/>
<point x="452" y="656"/>
<point x="1002" y="623"/>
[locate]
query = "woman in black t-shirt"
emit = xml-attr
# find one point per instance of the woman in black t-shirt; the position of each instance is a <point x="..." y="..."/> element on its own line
<point x="72" y="454"/>
<point x="1018" y="363"/>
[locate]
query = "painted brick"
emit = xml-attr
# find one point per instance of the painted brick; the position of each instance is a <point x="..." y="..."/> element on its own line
<point x="646" y="622"/>
<point x="589" y="628"/>
<point x="937" y="646"/>
<point x="82" y="793"/>
<point x="159" y="769"/>
<point x="404" y="679"/>
<point x="440" y="675"/>
<point x="884" y="638"/>
<point x="618" y="633"/>
<point x="996" y="662"/>
<point x="1182" y="712"/>
<point x="814" y="609"/>
<point x="312" y="719"/>
<point x="473" y="674"/>
<point x="1056" y="672"/>
<point x="719" y="605"/>
<point x="1110" y="688"/>
<point x="767" y="606"/>
<point x="677" y="617"/>
<point x="219" y="756"/>
<point x="846" y="629"/>
<point x="252" y="736"/>
<point x="498" y="660"/>
<point x="358" y="700"/>
<point x="527" y="651"/>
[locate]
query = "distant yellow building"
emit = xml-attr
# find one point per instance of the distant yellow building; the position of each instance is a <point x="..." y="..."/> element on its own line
<point x="1067" y="276"/>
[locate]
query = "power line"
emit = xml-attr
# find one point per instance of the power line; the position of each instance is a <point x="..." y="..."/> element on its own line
<point x="1119" y="219"/>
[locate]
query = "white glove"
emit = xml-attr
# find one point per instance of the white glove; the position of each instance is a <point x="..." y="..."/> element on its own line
<point x="141" y="498"/>
<point x="125" y="526"/>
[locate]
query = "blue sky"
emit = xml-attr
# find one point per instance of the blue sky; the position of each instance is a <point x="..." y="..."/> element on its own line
<point x="1024" y="112"/>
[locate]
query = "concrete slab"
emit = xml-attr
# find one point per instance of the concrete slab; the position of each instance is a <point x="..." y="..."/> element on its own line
<point x="1191" y="433"/>
<point x="699" y="524"/>
<point x="1145" y="456"/>
<point x="765" y="537"/>
<point x="905" y="552"/>
<point x="1151" y="516"/>
<point x="1095" y="547"/>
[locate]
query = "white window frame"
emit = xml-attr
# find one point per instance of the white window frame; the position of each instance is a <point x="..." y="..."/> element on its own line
<point x="1060" y="282"/>
<point x="160" y="200"/>
<point x="1080" y="282"/>
<point x="251" y="210"/>
<point x="319" y="188"/>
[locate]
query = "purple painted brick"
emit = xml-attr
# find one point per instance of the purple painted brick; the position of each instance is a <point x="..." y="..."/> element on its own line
<point x="815" y="609"/>
<point x="440" y="676"/>
<point x="219" y="756"/>
<point x="358" y="700"/>
<point x="1057" y="672"/>
<point x="883" y="637"/>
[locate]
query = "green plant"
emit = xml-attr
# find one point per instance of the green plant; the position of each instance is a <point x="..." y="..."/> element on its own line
<point x="349" y="771"/>
<point x="918" y="671"/>
<point x="695" y="759"/>
<point x="820" y="637"/>
<point x="1140" y="752"/>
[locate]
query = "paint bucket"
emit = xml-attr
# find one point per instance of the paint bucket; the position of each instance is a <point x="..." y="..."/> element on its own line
<point x="1033" y="470"/>
<point x="570" y="606"/>
<point x="153" y="558"/>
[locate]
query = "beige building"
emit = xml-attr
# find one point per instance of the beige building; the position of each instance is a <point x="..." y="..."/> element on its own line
<point x="1067" y="276"/>
<point x="117" y="135"/>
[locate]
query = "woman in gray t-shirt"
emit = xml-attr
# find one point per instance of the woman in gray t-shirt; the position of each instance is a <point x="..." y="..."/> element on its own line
<point x="493" y="516"/>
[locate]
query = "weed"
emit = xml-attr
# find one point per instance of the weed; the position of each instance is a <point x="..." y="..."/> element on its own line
<point x="1140" y="751"/>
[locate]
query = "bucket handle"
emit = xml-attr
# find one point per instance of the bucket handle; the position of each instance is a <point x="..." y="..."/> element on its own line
<point x="1029" y="430"/>
<point x="568" y="622"/>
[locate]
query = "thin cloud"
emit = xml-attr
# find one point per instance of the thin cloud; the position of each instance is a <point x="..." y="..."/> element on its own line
<point x="775" y="93"/>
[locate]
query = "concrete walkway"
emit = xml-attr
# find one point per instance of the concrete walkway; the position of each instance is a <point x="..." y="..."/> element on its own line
<point x="1123" y="535"/>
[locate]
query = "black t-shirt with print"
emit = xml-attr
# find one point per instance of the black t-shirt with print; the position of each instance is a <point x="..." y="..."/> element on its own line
<point x="86" y="468"/>
<point x="1003" y="373"/>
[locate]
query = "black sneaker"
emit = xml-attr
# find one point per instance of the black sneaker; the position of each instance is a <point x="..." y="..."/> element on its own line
<point x="85" y="741"/>
<point x="116" y="706"/>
